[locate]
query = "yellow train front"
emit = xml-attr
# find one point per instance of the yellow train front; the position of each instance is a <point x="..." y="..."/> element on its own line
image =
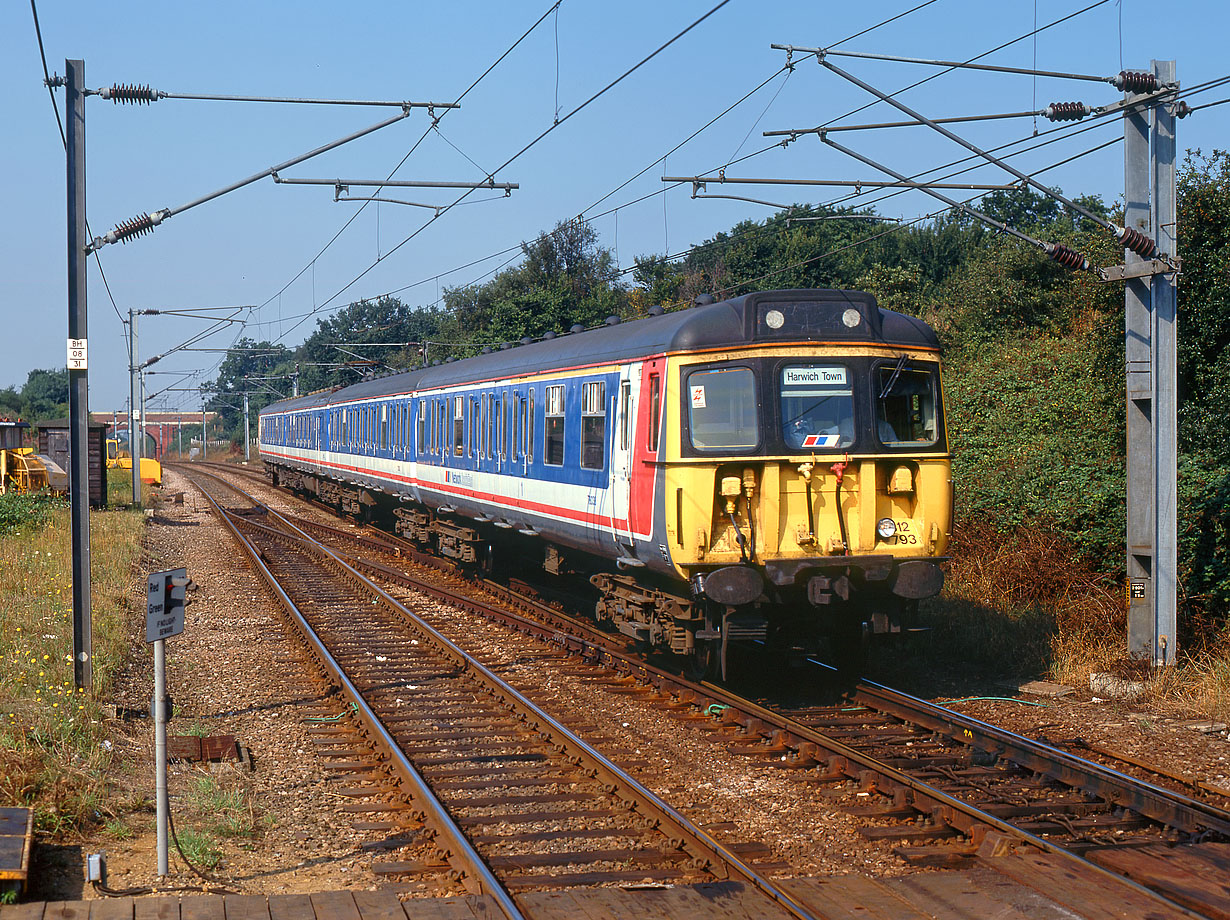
<point x="804" y="490"/>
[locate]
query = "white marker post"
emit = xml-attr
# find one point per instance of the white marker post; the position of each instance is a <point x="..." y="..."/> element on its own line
<point x="164" y="618"/>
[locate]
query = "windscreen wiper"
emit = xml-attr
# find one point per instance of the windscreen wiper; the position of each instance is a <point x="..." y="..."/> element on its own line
<point x="892" y="381"/>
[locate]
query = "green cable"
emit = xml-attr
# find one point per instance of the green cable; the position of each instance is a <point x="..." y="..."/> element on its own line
<point x="351" y="707"/>
<point x="995" y="699"/>
<point x="715" y="709"/>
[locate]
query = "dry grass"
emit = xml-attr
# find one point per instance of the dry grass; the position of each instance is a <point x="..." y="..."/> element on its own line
<point x="1026" y="605"/>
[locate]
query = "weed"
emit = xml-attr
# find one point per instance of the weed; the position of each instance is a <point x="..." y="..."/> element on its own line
<point x="118" y="829"/>
<point x="229" y="814"/>
<point x="199" y="848"/>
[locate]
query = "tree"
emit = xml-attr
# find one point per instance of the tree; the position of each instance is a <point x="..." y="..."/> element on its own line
<point x="46" y="393"/>
<point x="248" y="358"/>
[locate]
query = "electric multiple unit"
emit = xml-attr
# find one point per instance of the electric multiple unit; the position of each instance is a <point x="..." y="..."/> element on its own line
<point x="771" y="468"/>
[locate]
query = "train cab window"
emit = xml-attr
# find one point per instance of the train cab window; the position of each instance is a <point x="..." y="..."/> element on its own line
<point x="817" y="406"/>
<point x="593" y="425"/>
<point x="459" y="425"/>
<point x="906" y="408"/>
<point x="553" y="448"/>
<point x="655" y="411"/>
<point x="722" y="409"/>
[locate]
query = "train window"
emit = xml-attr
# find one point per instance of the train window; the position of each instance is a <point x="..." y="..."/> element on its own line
<point x="529" y="429"/>
<point x="422" y="427"/>
<point x="490" y="427"/>
<point x="384" y="428"/>
<point x="473" y="427"/>
<point x="459" y="425"/>
<point x="593" y="425"/>
<point x="625" y="414"/>
<point x="655" y="410"/>
<point x="441" y="426"/>
<point x="722" y="409"/>
<point x="817" y="406"/>
<point x="906" y="409"/>
<point x="520" y="415"/>
<point x="553" y="449"/>
<point x="508" y="427"/>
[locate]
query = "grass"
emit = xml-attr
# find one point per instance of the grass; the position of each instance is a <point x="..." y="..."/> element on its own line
<point x="199" y="847"/>
<point x="52" y="754"/>
<point x="229" y="812"/>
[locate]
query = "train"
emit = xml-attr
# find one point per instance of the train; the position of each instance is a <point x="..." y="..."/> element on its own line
<point x="770" y="469"/>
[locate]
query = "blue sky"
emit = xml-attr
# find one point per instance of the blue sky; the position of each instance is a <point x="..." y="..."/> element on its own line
<point x="260" y="245"/>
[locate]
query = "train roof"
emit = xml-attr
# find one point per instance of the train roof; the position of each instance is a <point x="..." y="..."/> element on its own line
<point x="785" y="316"/>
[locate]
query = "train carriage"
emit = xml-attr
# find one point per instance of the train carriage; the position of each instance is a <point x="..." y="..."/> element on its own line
<point x="772" y="467"/>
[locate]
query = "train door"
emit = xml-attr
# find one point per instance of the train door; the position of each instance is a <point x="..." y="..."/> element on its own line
<point x="623" y="416"/>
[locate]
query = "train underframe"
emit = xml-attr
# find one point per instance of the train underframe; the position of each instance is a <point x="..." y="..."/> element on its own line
<point x="834" y="606"/>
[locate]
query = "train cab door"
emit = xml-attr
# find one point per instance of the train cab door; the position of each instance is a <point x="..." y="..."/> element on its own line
<point x="623" y="418"/>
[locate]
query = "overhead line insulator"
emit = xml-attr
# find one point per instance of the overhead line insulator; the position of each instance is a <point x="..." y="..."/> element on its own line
<point x="137" y="226"/>
<point x="1136" y="241"/>
<point x="1134" y="81"/>
<point x="1069" y="258"/>
<point x="130" y="94"/>
<point x="1067" y="111"/>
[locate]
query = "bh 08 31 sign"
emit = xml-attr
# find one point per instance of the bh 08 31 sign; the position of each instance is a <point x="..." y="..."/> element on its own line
<point x="164" y="613"/>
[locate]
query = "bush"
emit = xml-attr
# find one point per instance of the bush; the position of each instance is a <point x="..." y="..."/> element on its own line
<point x="31" y="511"/>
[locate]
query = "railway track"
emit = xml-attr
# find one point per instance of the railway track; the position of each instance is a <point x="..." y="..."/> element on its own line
<point x="491" y="790"/>
<point x="942" y="788"/>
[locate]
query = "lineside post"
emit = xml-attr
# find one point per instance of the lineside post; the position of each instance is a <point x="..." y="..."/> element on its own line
<point x="78" y="381"/>
<point x="1150" y="206"/>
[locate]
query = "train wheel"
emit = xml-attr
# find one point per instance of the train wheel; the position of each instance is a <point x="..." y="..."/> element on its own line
<point x="707" y="662"/>
<point x="850" y="644"/>
<point x="486" y="561"/>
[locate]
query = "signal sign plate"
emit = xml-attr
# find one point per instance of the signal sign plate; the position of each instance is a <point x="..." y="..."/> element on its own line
<point x="161" y="623"/>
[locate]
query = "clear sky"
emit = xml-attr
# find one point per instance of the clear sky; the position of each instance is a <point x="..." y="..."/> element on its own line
<point x="269" y="245"/>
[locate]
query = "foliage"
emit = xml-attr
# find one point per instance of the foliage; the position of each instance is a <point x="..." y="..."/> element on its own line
<point x="341" y="350"/>
<point x="44" y="395"/>
<point x="1204" y="544"/>
<point x="1037" y="428"/>
<point x="249" y="359"/>
<point x="1204" y="304"/>
<point x="27" y="512"/>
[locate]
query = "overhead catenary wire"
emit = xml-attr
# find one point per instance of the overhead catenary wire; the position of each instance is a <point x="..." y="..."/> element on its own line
<point x="1130" y="238"/>
<point x="663" y="191"/>
<point x="515" y="249"/>
<point x="49" y="83"/>
<point x="609" y="86"/>
<point x="524" y="35"/>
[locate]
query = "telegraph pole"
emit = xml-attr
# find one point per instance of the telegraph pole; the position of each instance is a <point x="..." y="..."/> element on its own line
<point x="247" y="431"/>
<point x="78" y="384"/>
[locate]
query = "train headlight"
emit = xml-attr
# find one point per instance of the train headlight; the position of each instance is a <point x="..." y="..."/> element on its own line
<point x="886" y="528"/>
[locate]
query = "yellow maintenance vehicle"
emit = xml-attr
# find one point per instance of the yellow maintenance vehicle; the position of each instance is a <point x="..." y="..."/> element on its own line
<point x="120" y="458"/>
<point x="23" y="470"/>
